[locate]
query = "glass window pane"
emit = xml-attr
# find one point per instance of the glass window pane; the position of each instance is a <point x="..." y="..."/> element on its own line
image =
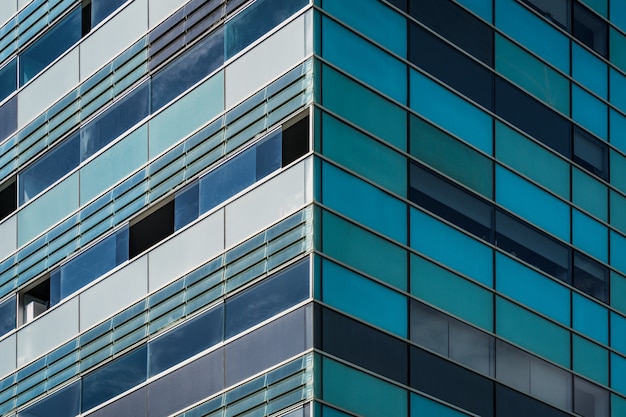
<point x="512" y="366"/>
<point x="591" y="195"/>
<point x="429" y="328"/>
<point x="592" y="154"/>
<point x="101" y="9"/>
<point x="8" y="79"/>
<point x="8" y="312"/>
<point x="8" y="117"/>
<point x="556" y="11"/>
<point x="63" y="403"/>
<point x="186" y="205"/>
<point x="550" y="384"/>
<point x="590" y="71"/>
<point x="510" y="403"/>
<point x="590" y="112"/>
<point x="590" y="400"/>
<point x="590" y="360"/>
<point x="591" y="277"/>
<point x="590" y="29"/>
<point x="472" y="348"/>
<point x="590" y="235"/>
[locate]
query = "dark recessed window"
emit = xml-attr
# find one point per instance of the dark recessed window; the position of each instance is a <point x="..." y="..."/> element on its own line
<point x="590" y="29"/>
<point x="511" y="403"/>
<point x="295" y="141"/>
<point x="150" y="230"/>
<point x="591" y="277"/>
<point x="35" y="300"/>
<point x="591" y="153"/>
<point x="557" y="11"/>
<point x="8" y="198"/>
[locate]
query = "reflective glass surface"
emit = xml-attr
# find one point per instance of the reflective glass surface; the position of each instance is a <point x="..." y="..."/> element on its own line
<point x="101" y="9"/>
<point x="8" y="310"/>
<point x="8" y="117"/>
<point x="63" y="403"/>
<point x="8" y="79"/>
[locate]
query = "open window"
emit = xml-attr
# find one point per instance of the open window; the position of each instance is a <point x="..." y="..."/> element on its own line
<point x="150" y="228"/>
<point x="34" y="300"/>
<point x="8" y="197"/>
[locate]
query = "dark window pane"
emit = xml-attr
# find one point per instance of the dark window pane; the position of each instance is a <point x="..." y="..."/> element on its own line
<point x="133" y="404"/>
<point x="364" y="346"/>
<point x="8" y="198"/>
<point x="54" y="164"/>
<point x="590" y="400"/>
<point x="456" y="25"/>
<point x="64" y="403"/>
<point x="186" y="340"/>
<point x="557" y="11"/>
<point x="451" y="66"/>
<point x="268" y="154"/>
<point x="8" y="117"/>
<point x="526" y="243"/>
<point x="151" y="229"/>
<point x="262" y="301"/>
<point x="400" y="4"/>
<point x="295" y="141"/>
<point x="532" y="117"/>
<point x="592" y="154"/>
<point x="429" y="328"/>
<point x="114" y="378"/>
<point x="8" y="312"/>
<point x="50" y="46"/>
<point x="591" y="277"/>
<point x="590" y="29"/>
<point x="450" y="202"/>
<point x="511" y="403"/>
<point x="101" y="9"/>
<point x="186" y="206"/>
<point x="8" y="79"/>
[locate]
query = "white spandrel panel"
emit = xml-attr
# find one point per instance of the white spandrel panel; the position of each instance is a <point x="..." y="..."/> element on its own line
<point x="158" y="10"/>
<point x="8" y="236"/>
<point x="47" y="88"/>
<point x="47" y="332"/>
<point x="8" y="353"/>
<point x="265" y="204"/>
<point x="8" y="9"/>
<point x="194" y="246"/>
<point x="113" y="37"/>
<point x="114" y="293"/>
<point x="266" y="61"/>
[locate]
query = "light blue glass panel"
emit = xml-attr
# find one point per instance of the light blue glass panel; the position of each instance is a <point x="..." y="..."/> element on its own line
<point x="368" y="300"/>
<point x="451" y="247"/>
<point x="618" y="130"/>
<point x="590" y="235"/>
<point x="618" y="373"/>
<point x="363" y="202"/>
<point x="618" y="332"/>
<point x="483" y="8"/>
<point x="532" y="289"/>
<point x="589" y="70"/>
<point x="591" y="360"/>
<point x="618" y="14"/>
<point x="546" y="211"/>
<point x="390" y="27"/>
<point x="534" y="33"/>
<point x="114" y="164"/>
<point x="349" y="52"/>
<point x="451" y="112"/>
<point x="532" y="332"/>
<point x="589" y="194"/>
<point x="590" y="112"/>
<point x="590" y="318"/>
<point x="618" y="87"/>
<point x="422" y="406"/>
<point x="618" y="249"/>
<point x="187" y="114"/>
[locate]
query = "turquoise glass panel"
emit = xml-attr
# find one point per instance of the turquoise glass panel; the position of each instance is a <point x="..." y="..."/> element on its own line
<point x="468" y="122"/>
<point x="618" y="130"/>
<point x="618" y="373"/>
<point x="618" y="211"/>
<point x="349" y="52"/>
<point x="331" y="412"/>
<point x="364" y="155"/>
<point x="532" y="289"/>
<point x="361" y="393"/>
<point x="617" y="47"/>
<point x="618" y="86"/>
<point x="618" y="18"/>
<point x="618" y="249"/>
<point x="589" y="70"/>
<point x="590" y="318"/>
<point x="363" y="107"/>
<point x="363" y="202"/>
<point x="532" y="160"/>
<point x="187" y="114"/>
<point x="422" y="406"/>
<point x="618" y="289"/>
<point x="482" y="8"/>
<point x="590" y="235"/>
<point x="546" y="211"/>
<point x="532" y="332"/>
<point x="618" y="405"/>
<point x="533" y="75"/>
<point x="534" y="33"/>
<point x="618" y="332"/>
<point x="368" y="300"/>
<point x="389" y="30"/>
<point x="364" y="250"/>
<point x="451" y="247"/>
<point x="590" y="112"/>
<point x="438" y="286"/>
<point x="591" y="360"/>
<point x="600" y="6"/>
<point x="618" y="170"/>
<point x="589" y="193"/>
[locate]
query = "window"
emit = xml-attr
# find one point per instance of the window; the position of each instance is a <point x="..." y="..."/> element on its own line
<point x="8" y="79"/>
<point x="592" y="154"/>
<point x="590" y="29"/>
<point x="151" y="228"/>
<point x="8" y="198"/>
<point x="591" y="277"/>
<point x="557" y="11"/>
<point x="8" y="310"/>
<point x="34" y="299"/>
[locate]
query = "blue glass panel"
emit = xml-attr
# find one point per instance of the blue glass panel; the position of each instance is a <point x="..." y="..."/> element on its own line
<point x="8" y="310"/>
<point x="590" y="318"/>
<point x="618" y="248"/>
<point x="618" y="86"/>
<point x="63" y="403"/>
<point x="50" y="46"/>
<point x="618" y="332"/>
<point x="8" y="79"/>
<point x="101" y="9"/>
<point x="55" y="163"/>
<point x="114" y="378"/>
<point x="8" y="117"/>
<point x="618" y="13"/>
<point x="481" y="7"/>
<point x="590" y="235"/>
<point x="589" y="70"/>
<point x="269" y="154"/>
<point x="590" y="112"/>
<point x="186" y="206"/>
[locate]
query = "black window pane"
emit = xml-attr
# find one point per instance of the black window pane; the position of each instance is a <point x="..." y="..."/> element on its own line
<point x="557" y="11"/>
<point x="532" y="117"/>
<point x="591" y="277"/>
<point x="8" y="311"/>
<point x="295" y="141"/>
<point x="364" y="346"/>
<point x="510" y="403"/>
<point x="591" y="153"/>
<point x="451" y="66"/>
<point x="590" y="29"/>
<point x="400" y="4"/>
<point x="8" y="117"/>
<point x="8" y="79"/>
<point x="8" y="198"/>
<point x="456" y="25"/>
<point x="64" y="403"/>
<point x="151" y="230"/>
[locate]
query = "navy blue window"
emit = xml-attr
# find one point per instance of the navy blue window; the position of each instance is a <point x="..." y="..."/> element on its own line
<point x="186" y="206"/>
<point x="63" y="403"/>
<point x="8" y="117"/>
<point x="8" y="312"/>
<point x="8" y="79"/>
<point x="590" y="29"/>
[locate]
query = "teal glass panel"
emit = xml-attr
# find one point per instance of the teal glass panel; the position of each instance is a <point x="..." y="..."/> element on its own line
<point x="363" y="202"/>
<point x="532" y="75"/>
<point x="532" y="332"/>
<point x="451" y="156"/>
<point x="390" y="27"/>
<point x="546" y="211"/>
<point x="187" y="114"/>
<point x="363" y="60"/>
<point x="590" y="235"/>
<point x="590" y="112"/>
<point x="591" y="360"/>
<point x="364" y="250"/>
<point x="589" y="70"/>
<point x="482" y="8"/>
<point x="451" y="247"/>
<point x="617" y="47"/>
<point x="589" y="193"/>
<point x="600" y="6"/>
<point x="456" y="295"/>
<point x="422" y="406"/>
<point x="618" y="18"/>
<point x="364" y="155"/>
<point x="618" y="404"/>
<point x="532" y="160"/>
<point x="590" y="318"/>
<point x="368" y="300"/>
<point x="618" y="332"/>
<point x="532" y="289"/>
<point x="618" y="373"/>
<point x="469" y="122"/>
<point x="618" y="86"/>
<point x="364" y="107"/>
<point x="618" y="211"/>
<point x="535" y="34"/>
<point x="331" y="412"/>
<point x="618" y="285"/>
<point x="618" y="130"/>
<point x="361" y="393"/>
<point x="618" y="170"/>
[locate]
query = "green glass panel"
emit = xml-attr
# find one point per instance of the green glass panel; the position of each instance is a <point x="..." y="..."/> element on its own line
<point x="618" y="406"/>
<point x="589" y="194"/>
<point x="618" y="211"/>
<point x="532" y="332"/>
<point x="532" y="160"/>
<point x="618" y="292"/>
<point x="618" y="171"/>
<point x="364" y="155"/>
<point x="450" y="156"/>
<point x="591" y="360"/>
<point x="422" y="406"/>
<point x="617" y="45"/>
<point x="532" y="75"/>
<point x="455" y="294"/>
<point x="360" y="393"/>
<point x="600" y="6"/>
<point x="363" y="250"/>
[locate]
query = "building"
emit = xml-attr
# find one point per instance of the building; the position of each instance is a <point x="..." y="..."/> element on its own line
<point x="313" y="208"/>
